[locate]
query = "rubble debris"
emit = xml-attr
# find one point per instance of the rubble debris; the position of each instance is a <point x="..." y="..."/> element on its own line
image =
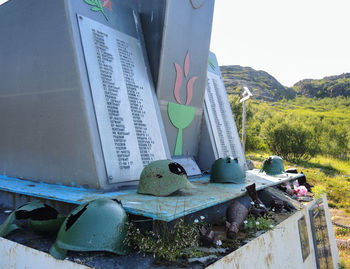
<point x="257" y="212"/>
<point x="203" y="260"/>
<point x="286" y="187"/>
<point x="206" y="236"/>
<point x="236" y="213"/>
<point x="250" y="165"/>
<point x="270" y="193"/>
<point x="305" y="199"/>
<point x="302" y="182"/>
<point x="278" y="205"/>
<point x="291" y="171"/>
<point x="257" y="203"/>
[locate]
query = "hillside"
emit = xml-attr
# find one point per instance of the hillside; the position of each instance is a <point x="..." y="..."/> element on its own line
<point x="332" y="86"/>
<point x="266" y="87"/>
<point x="263" y="85"/>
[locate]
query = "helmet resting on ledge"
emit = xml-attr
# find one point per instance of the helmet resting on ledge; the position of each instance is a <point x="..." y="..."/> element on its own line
<point x="273" y="166"/>
<point x="227" y="170"/>
<point x="162" y="178"/>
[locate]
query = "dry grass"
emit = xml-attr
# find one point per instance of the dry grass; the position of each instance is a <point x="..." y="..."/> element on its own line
<point x="341" y="217"/>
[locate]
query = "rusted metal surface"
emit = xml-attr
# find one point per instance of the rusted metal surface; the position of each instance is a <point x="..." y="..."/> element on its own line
<point x="14" y="255"/>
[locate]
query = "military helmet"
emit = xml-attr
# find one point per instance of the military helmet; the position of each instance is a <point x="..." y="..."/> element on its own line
<point x="227" y="170"/>
<point x="162" y="178"/>
<point x="273" y="166"/>
<point x="98" y="225"/>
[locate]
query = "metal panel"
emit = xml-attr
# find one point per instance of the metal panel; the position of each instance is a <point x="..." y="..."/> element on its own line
<point x="50" y="132"/>
<point x="123" y="100"/>
<point x="44" y="129"/>
<point x="221" y="124"/>
<point x="183" y="66"/>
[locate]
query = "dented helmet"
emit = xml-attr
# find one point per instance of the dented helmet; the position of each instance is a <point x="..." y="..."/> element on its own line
<point x="42" y="218"/>
<point x="98" y="225"/>
<point x="227" y="170"/>
<point x="162" y="178"/>
<point x="273" y="166"/>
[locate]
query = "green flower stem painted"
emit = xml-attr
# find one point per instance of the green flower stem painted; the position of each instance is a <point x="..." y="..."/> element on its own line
<point x="180" y="116"/>
<point x="97" y="6"/>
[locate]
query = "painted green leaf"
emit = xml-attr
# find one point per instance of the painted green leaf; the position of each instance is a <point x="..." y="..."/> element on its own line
<point x="99" y="4"/>
<point x="90" y="2"/>
<point x="95" y="9"/>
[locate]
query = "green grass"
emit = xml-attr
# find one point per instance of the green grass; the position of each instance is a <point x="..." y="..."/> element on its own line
<point x="330" y="173"/>
<point x="335" y="109"/>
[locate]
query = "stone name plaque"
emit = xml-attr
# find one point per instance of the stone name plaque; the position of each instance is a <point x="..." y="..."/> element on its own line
<point x="123" y="100"/>
<point x="222" y="126"/>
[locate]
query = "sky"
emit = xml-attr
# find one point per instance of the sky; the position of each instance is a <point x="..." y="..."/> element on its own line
<point x="290" y="39"/>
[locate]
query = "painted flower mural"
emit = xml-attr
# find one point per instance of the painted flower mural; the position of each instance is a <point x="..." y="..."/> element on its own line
<point x="181" y="115"/>
<point x="99" y="6"/>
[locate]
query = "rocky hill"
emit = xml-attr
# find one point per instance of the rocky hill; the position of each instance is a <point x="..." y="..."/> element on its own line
<point x="263" y="85"/>
<point x="332" y="86"/>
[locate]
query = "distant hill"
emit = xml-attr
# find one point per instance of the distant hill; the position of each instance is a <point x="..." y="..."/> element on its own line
<point x="332" y="86"/>
<point x="263" y="85"/>
<point x="266" y="87"/>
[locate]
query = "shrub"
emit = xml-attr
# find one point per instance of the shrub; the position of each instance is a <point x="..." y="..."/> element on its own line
<point x="290" y="140"/>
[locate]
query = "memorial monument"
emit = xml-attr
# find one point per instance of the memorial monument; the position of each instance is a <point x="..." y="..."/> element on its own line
<point x="83" y="106"/>
<point x="79" y="100"/>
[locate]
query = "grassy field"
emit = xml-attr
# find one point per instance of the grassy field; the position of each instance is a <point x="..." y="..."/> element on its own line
<point x="328" y="168"/>
<point x="332" y="176"/>
<point x="334" y="109"/>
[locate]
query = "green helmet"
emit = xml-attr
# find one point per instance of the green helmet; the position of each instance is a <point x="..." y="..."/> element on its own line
<point x="50" y="226"/>
<point x="162" y="178"/>
<point x="273" y="166"/>
<point x="42" y="218"/>
<point x="98" y="225"/>
<point x="227" y="170"/>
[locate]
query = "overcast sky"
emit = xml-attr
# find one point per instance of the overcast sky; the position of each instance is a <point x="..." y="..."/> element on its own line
<point x="290" y="39"/>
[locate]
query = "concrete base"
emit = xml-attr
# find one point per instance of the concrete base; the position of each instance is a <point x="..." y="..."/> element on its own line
<point x="14" y="255"/>
<point x="280" y="247"/>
